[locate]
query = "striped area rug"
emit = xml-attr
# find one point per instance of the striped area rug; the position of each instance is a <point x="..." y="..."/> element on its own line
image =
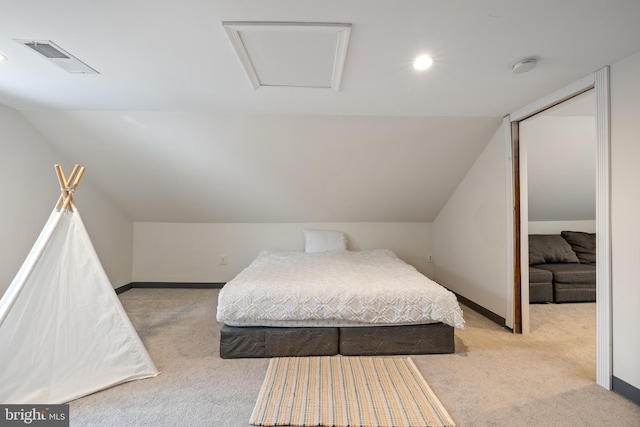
<point x="339" y="391"/>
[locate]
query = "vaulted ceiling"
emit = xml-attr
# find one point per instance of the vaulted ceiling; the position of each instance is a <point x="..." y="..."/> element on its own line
<point x="172" y="129"/>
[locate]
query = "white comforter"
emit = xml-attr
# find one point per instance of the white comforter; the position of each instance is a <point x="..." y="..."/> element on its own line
<point x="344" y="288"/>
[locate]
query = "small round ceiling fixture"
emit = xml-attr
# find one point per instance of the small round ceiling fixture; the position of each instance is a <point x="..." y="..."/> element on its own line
<point x="2" y="58"/>
<point x="524" y="65"/>
<point x="422" y="62"/>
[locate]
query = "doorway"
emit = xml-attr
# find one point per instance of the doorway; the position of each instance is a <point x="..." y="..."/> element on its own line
<point x="600" y="82"/>
<point x="559" y="145"/>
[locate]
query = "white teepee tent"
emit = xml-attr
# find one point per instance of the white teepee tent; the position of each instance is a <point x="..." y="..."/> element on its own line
<point x="63" y="331"/>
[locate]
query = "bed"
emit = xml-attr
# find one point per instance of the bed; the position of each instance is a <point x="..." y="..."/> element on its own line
<point x="327" y="302"/>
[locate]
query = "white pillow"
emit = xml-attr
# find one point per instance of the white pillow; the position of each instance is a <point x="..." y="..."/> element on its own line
<point x="324" y="241"/>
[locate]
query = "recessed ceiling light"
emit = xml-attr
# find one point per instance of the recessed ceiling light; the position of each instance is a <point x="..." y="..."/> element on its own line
<point x="2" y="58"/>
<point x="422" y="62"/>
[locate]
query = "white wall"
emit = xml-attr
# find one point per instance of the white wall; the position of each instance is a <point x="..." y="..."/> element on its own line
<point x="625" y="212"/>
<point x="470" y="233"/>
<point x="111" y="232"/>
<point x="30" y="191"/>
<point x="555" y="227"/>
<point x="561" y="166"/>
<point x="174" y="252"/>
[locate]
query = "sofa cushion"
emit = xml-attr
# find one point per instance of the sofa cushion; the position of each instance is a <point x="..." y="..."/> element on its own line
<point x="583" y="244"/>
<point x="572" y="274"/>
<point x="540" y="286"/>
<point x="574" y="293"/>
<point x="538" y="275"/>
<point x="550" y="248"/>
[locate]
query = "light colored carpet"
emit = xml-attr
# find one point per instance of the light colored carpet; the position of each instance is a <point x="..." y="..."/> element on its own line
<point x="339" y="391"/>
<point x="494" y="378"/>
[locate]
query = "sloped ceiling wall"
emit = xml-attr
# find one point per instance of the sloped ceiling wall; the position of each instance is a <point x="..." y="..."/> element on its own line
<point x="200" y="167"/>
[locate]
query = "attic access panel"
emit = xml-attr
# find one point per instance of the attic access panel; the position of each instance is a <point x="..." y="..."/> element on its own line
<point x="291" y="54"/>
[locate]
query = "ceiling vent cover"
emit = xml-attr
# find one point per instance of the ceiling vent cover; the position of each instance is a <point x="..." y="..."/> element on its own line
<point x="290" y="54"/>
<point x="58" y="56"/>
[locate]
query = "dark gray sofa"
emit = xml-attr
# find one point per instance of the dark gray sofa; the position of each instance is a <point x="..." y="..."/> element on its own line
<point x="562" y="267"/>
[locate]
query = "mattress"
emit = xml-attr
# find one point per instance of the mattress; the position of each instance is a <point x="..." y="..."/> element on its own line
<point x="341" y="288"/>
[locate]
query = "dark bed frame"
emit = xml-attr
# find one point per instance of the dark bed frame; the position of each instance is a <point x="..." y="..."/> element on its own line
<point x="244" y="342"/>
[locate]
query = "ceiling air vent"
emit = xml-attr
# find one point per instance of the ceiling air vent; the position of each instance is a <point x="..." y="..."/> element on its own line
<point x="58" y="56"/>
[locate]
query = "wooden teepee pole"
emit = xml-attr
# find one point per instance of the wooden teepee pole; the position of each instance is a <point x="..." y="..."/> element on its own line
<point x="67" y="187"/>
